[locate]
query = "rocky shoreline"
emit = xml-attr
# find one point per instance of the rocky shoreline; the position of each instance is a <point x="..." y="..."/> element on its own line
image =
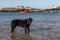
<point x="18" y="9"/>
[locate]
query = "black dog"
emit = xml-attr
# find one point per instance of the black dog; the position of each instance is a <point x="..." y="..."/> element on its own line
<point x="23" y="23"/>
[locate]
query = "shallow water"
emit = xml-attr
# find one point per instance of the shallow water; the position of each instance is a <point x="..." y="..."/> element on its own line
<point x="45" y="26"/>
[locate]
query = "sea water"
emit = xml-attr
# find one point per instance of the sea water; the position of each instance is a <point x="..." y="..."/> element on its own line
<point x="44" y="24"/>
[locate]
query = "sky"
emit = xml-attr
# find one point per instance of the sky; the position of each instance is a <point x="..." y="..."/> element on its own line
<point x="30" y="3"/>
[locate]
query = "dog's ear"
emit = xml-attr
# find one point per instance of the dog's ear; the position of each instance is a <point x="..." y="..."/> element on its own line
<point x="28" y="21"/>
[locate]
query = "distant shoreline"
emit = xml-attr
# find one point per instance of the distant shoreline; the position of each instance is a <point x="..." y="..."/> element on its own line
<point x="29" y="9"/>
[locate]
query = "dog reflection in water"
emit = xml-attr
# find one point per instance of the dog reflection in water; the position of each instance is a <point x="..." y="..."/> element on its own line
<point x="21" y="36"/>
<point x="23" y="23"/>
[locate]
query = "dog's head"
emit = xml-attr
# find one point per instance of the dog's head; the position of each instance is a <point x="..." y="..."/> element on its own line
<point x="29" y="20"/>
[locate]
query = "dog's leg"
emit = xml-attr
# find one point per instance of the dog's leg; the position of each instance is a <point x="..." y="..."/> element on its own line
<point x="25" y="30"/>
<point x="12" y="28"/>
<point x="28" y="29"/>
